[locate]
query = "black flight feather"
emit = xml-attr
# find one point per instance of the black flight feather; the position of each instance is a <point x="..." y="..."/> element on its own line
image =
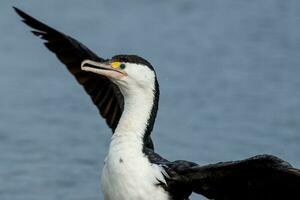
<point x="104" y="94"/>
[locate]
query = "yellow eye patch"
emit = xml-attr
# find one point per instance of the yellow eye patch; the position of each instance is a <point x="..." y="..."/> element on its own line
<point x="115" y="65"/>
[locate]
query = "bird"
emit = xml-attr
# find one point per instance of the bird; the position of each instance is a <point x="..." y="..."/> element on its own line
<point x="125" y="90"/>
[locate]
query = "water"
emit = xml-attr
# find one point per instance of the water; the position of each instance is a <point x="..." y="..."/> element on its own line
<point x="229" y="75"/>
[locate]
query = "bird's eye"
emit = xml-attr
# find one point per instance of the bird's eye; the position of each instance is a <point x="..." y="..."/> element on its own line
<point x="122" y="66"/>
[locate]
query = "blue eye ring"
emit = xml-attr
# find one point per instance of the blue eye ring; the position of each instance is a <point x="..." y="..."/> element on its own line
<point x="122" y="66"/>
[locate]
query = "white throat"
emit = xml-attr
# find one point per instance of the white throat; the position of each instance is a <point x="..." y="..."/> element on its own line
<point x="137" y="110"/>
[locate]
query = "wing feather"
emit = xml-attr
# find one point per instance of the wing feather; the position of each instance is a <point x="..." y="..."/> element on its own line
<point x="262" y="177"/>
<point x="104" y="94"/>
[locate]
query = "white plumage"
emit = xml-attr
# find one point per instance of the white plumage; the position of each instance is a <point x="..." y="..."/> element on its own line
<point x="127" y="173"/>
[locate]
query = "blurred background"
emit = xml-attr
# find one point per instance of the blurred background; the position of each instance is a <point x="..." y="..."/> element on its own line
<point x="229" y="73"/>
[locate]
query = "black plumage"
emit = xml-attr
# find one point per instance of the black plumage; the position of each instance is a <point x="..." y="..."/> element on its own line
<point x="258" y="178"/>
<point x="104" y="94"/>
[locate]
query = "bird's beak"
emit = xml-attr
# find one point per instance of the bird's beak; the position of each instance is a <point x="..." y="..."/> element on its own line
<point x="102" y="68"/>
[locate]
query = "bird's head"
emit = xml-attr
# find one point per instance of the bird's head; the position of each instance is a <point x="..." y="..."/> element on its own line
<point x="130" y="73"/>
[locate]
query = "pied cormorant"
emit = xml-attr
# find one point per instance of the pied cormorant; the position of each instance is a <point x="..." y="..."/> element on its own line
<point x="126" y="92"/>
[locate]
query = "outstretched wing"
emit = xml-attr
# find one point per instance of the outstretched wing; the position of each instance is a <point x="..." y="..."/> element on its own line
<point x="104" y="94"/>
<point x="261" y="177"/>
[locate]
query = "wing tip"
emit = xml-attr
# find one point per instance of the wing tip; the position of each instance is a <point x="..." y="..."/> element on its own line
<point x="15" y="8"/>
<point x="20" y="12"/>
<point x="25" y="18"/>
<point x="39" y="28"/>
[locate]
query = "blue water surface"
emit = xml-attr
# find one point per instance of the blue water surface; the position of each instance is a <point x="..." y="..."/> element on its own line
<point x="229" y="73"/>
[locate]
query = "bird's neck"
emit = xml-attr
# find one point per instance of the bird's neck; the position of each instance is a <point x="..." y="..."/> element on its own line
<point x="138" y="116"/>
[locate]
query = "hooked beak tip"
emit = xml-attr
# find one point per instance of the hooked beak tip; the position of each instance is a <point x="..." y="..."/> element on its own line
<point x="83" y="64"/>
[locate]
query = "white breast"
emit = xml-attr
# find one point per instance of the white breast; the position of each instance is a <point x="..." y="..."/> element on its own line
<point x="128" y="175"/>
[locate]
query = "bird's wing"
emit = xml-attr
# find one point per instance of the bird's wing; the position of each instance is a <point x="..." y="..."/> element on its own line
<point x="262" y="177"/>
<point x="104" y="94"/>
